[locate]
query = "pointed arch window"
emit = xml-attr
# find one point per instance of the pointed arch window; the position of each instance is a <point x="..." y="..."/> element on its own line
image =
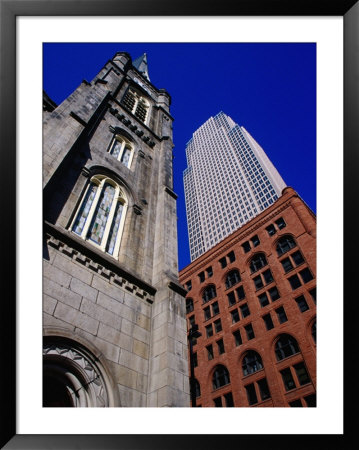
<point x="122" y="149"/>
<point x="101" y="214"/>
<point x="137" y="104"/>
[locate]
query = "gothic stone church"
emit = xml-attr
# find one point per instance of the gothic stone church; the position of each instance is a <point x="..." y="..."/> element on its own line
<point x="114" y="311"/>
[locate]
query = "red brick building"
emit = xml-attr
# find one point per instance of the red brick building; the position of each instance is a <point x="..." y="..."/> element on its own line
<point x="253" y="297"/>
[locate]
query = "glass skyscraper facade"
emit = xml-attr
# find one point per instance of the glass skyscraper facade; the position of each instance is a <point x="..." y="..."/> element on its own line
<point x="228" y="181"/>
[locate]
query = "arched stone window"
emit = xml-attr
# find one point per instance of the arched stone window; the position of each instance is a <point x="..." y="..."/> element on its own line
<point x="252" y="362"/>
<point x="220" y="377"/>
<point x="257" y="262"/>
<point x="101" y="214"/>
<point x="286" y="346"/>
<point x="209" y="293"/>
<point x="232" y="278"/>
<point x="137" y="104"/>
<point x="285" y="244"/>
<point x="122" y="149"/>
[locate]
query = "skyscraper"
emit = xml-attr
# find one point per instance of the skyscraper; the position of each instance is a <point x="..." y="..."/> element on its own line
<point x="229" y="180"/>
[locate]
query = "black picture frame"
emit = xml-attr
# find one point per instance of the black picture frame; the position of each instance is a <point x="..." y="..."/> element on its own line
<point x="9" y="10"/>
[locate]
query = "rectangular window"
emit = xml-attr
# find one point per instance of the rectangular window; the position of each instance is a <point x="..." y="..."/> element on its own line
<point x="209" y="330"/>
<point x="244" y="310"/>
<point x="220" y="345"/>
<point x="296" y="404"/>
<point x="231" y="298"/>
<point x="302" y="304"/>
<point x="237" y="338"/>
<point x="274" y="294"/>
<point x="263" y="389"/>
<point x="263" y="299"/>
<point x="235" y="316"/>
<point x="268" y="321"/>
<point x="201" y="277"/>
<point x="271" y="230"/>
<point x="313" y="293"/>
<point x="223" y="262"/>
<point x="297" y="258"/>
<point x="189" y="285"/>
<point x="210" y="354"/>
<point x="217" y="325"/>
<point x="282" y="317"/>
<point x="207" y="313"/>
<point x="191" y="320"/>
<point x="215" y="308"/>
<point x="287" y="379"/>
<point x="255" y="241"/>
<point x="240" y="293"/>
<point x="249" y="331"/>
<point x="302" y="373"/>
<point x="268" y="277"/>
<point x="258" y="283"/>
<point x="218" y="402"/>
<point x="231" y="256"/>
<point x="306" y="275"/>
<point x="251" y="394"/>
<point x="311" y="400"/>
<point x="228" y="398"/>
<point x="294" y="282"/>
<point x="209" y="272"/>
<point x="280" y="223"/>
<point x="287" y="265"/>
<point x="246" y="247"/>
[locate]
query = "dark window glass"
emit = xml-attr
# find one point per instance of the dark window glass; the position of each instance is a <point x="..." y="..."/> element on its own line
<point x="252" y="362"/>
<point x="274" y="294"/>
<point x="201" y="277"/>
<point x="240" y="293"/>
<point x="286" y="346"/>
<point x="231" y="298"/>
<point x="209" y="330"/>
<point x="210" y="354"/>
<point x="257" y="262"/>
<point x="255" y="241"/>
<point x="251" y="394"/>
<point x="231" y="257"/>
<point x="217" y="325"/>
<point x="249" y="331"/>
<point x="215" y="308"/>
<point x="235" y="316"/>
<point x="223" y="262"/>
<point x="263" y="389"/>
<point x="217" y="402"/>
<point x="297" y="258"/>
<point x="209" y="293"/>
<point x="268" y="277"/>
<point x="263" y="299"/>
<point x="229" y="400"/>
<point x="220" y="377"/>
<point x="314" y="331"/>
<point x="195" y="360"/>
<point x="244" y="310"/>
<point x="268" y="321"/>
<point x="189" y="285"/>
<point x="191" y="320"/>
<point x="271" y="230"/>
<point x="287" y="379"/>
<point x="282" y="316"/>
<point x="287" y="265"/>
<point x="189" y="305"/>
<point x="294" y="282"/>
<point x="220" y="345"/>
<point x="258" y="283"/>
<point x="302" y="373"/>
<point x="302" y="304"/>
<point x="246" y="247"/>
<point x="311" y="400"/>
<point x="209" y="272"/>
<point x="280" y="223"/>
<point x="306" y="275"/>
<point x="232" y="278"/>
<point x="285" y="244"/>
<point x="313" y="293"/>
<point x="197" y="388"/>
<point x="296" y="404"/>
<point x="237" y="337"/>
<point x="207" y="313"/>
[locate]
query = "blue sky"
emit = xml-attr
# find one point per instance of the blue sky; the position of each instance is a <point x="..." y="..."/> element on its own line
<point x="270" y="89"/>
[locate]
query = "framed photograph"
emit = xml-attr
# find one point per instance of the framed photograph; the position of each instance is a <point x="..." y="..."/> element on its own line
<point x="29" y="33"/>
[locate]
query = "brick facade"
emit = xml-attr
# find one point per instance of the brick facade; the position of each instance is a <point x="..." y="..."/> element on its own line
<point x="292" y="278"/>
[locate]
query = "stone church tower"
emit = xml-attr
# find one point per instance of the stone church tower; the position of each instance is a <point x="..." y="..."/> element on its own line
<point x="114" y="312"/>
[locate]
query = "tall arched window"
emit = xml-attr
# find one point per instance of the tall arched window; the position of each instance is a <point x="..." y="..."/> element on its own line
<point x="258" y="261"/>
<point x="286" y="346"/>
<point x="101" y="214"/>
<point x="232" y="278"/>
<point x="220" y="377"/>
<point x="209" y="293"/>
<point x="137" y="104"/>
<point x="252" y="362"/>
<point x="122" y="149"/>
<point x="285" y="244"/>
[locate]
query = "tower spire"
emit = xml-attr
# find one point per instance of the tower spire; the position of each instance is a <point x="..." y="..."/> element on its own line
<point x="141" y="65"/>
